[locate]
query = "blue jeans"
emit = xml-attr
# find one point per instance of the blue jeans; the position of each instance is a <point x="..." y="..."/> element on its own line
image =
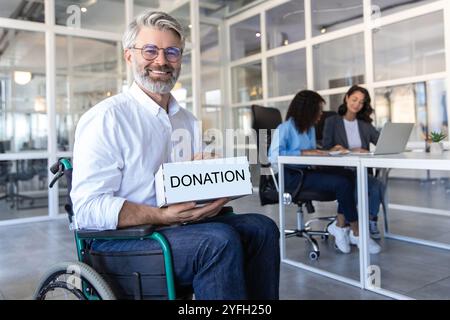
<point x="341" y="185"/>
<point x="376" y="193"/>
<point x="223" y="258"/>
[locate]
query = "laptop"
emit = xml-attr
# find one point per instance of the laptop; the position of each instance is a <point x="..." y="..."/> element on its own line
<point x="393" y="139"/>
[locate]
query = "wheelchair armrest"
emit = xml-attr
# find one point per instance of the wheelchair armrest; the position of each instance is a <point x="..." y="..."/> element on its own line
<point x="125" y="233"/>
<point x="130" y="232"/>
<point x="226" y="210"/>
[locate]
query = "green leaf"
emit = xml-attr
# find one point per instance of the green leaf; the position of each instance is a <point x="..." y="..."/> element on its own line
<point x="437" y="136"/>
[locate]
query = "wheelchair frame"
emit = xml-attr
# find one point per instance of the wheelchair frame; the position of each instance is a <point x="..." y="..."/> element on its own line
<point x="133" y="233"/>
<point x="167" y="254"/>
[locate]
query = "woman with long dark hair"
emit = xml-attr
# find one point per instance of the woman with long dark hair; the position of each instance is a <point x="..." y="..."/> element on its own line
<point x="354" y="115"/>
<point x="352" y="130"/>
<point x="296" y="136"/>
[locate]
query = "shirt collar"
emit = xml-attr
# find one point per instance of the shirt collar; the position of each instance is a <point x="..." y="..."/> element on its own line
<point x="174" y="107"/>
<point x="137" y="93"/>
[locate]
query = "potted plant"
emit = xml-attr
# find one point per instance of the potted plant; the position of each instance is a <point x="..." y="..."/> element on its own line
<point x="436" y="144"/>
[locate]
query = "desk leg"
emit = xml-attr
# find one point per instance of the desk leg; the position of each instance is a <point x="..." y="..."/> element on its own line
<point x="281" y="211"/>
<point x="369" y="273"/>
<point x="363" y="222"/>
<point x="282" y="227"/>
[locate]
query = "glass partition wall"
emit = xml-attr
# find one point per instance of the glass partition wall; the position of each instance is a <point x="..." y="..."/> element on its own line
<point x="398" y="50"/>
<point x="24" y="129"/>
<point x="53" y="68"/>
<point x="58" y="59"/>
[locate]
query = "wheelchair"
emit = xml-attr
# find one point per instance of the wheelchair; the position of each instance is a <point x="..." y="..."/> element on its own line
<point x="109" y="276"/>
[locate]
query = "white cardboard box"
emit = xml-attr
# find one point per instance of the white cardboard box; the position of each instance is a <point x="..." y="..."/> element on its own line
<point x="202" y="180"/>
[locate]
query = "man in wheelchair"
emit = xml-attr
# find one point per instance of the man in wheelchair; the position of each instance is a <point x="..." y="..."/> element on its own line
<point x="120" y="144"/>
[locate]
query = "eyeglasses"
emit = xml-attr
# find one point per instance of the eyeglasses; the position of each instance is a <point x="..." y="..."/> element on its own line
<point x="150" y="52"/>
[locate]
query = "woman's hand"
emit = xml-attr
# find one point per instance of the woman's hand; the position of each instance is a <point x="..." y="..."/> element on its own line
<point x="360" y="150"/>
<point x="314" y="152"/>
<point x="338" y="147"/>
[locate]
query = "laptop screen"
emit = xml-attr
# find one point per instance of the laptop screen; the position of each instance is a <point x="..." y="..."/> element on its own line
<point x="393" y="138"/>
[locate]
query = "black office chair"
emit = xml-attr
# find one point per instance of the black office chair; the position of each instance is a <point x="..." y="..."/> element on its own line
<point x="40" y="167"/>
<point x="382" y="174"/>
<point x="320" y="125"/>
<point x="5" y="176"/>
<point x="4" y="179"/>
<point x="265" y="119"/>
<point x="10" y="179"/>
<point x="24" y="172"/>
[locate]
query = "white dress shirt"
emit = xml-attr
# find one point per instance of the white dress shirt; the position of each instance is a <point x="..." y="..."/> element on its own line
<point x="353" y="136"/>
<point x="119" y="145"/>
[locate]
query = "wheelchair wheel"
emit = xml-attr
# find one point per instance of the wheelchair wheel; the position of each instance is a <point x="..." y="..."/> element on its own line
<point x="72" y="281"/>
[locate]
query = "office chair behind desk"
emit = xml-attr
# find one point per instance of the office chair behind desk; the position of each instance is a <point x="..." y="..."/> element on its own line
<point x="4" y="179"/>
<point x="264" y="119"/>
<point x="9" y="179"/>
<point x="24" y="172"/>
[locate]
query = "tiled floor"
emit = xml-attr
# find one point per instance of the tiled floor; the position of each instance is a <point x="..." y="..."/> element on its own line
<point x="27" y="250"/>
<point x="414" y="270"/>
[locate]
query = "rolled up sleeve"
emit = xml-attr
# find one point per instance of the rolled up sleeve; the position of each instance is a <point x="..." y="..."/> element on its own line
<point x="97" y="172"/>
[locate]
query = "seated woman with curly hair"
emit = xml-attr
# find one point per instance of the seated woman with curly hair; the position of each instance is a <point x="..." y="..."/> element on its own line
<point x="296" y="136"/>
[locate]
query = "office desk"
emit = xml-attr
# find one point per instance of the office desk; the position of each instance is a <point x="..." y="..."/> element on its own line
<point x="416" y="161"/>
<point x="409" y="160"/>
<point x="348" y="161"/>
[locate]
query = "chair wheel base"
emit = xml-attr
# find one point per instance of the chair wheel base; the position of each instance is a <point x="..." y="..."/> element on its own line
<point x="314" y="255"/>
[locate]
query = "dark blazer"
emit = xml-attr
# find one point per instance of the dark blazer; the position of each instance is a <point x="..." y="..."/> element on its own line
<point x="334" y="133"/>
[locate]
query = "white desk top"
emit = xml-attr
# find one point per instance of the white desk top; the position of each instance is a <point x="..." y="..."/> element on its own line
<point x="350" y="161"/>
<point x="409" y="160"/>
<point x="406" y="160"/>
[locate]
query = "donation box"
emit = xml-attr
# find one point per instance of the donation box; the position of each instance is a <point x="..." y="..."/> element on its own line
<point x="202" y="180"/>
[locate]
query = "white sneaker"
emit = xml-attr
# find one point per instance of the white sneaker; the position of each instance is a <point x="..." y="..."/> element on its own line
<point x="341" y="239"/>
<point x="374" y="247"/>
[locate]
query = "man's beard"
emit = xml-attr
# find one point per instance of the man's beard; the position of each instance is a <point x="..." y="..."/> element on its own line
<point x="155" y="86"/>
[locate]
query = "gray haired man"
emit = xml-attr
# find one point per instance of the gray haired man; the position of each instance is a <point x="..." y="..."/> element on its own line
<point x="119" y="145"/>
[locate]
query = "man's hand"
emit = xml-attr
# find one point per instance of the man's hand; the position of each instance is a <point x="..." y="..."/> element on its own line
<point x="187" y="212"/>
